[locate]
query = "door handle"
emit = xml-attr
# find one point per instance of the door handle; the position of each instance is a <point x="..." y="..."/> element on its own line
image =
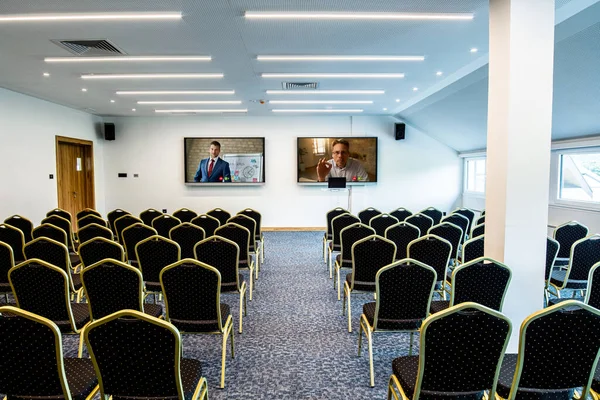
<point x="74" y="194"/>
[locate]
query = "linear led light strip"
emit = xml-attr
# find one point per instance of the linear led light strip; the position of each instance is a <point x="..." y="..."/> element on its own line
<point x="125" y="58"/>
<point x="320" y="101"/>
<point x="334" y="75"/>
<point x="357" y="15"/>
<point x="340" y="58"/>
<point x="193" y="102"/>
<point x="150" y="76"/>
<point x="169" y="92"/>
<point x="292" y="91"/>
<point x="226" y="110"/>
<point x="350" y="110"/>
<point x="89" y="17"/>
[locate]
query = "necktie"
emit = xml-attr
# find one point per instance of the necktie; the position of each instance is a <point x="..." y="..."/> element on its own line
<point x="210" y="167"/>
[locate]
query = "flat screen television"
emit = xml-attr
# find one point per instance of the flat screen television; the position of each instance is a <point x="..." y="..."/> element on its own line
<point x="354" y="158"/>
<point x="224" y="160"/>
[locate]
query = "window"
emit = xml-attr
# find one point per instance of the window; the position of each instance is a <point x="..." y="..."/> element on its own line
<point x="319" y="147"/>
<point x="475" y="175"/>
<point x="579" y="177"/>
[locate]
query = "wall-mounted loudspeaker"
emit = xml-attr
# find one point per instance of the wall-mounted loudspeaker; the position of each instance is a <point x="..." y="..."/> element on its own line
<point x="109" y="131"/>
<point x="400" y="131"/>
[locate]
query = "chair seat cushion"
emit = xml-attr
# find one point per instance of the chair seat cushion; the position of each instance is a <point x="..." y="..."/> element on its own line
<point x="154" y="310"/>
<point x="343" y="263"/>
<point x="228" y="287"/>
<point x="153" y="286"/>
<point x="558" y="277"/>
<point x="74" y="257"/>
<point x="552" y="302"/>
<point x="389" y="324"/>
<point x="361" y="286"/>
<point x="202" y="326"/>
<point x="439" y="305"/>
<point x="81" y="377"/>
<point x="76" y="281"/>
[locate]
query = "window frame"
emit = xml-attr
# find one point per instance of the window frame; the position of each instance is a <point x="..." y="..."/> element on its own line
<point x="466" y="177"/>
<point x="556" y="177"/>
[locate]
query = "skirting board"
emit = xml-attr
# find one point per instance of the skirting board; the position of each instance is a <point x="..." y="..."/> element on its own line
<point x="292" y="228"/>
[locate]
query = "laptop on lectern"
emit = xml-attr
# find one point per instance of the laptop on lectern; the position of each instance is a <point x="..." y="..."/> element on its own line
<point x="336" y="183"/>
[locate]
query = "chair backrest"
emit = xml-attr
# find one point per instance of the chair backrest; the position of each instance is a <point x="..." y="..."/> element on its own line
<point x="381" y="222"/>
<point x="239" y="235"/>
<point x="461" y="351"/>
<point x="478" y="230"/>
<point x="433" y="213"/>
<point x="185" y="214"/>
<point x="224" y="255"/>
<point x="247" y="223"/>
<point x="219" y="214"/>
<point x="483" y="281"/>
<point x="592" y="294"/>
<point x="15" y="239"/>
<point x="584" y="253"/>
<point x="480" y="220"/>
<point x="206" y="222"/>
<point x="331" y="214"/>
<point x="469" y="214"/>
<point x="148" y="215"/>
<point x="90" y="219"/>
<point x="568" y="331"/>
<point x="473" y="249"/>
<point x="401" y="213"/>
<point x="155" y="253"/>
<point x="255" y="215"/>
<point x="87" y="211"/>
<point x="421" y="221"/>
<point x="192" y="292"/>
<point x="369" y="255"/>
<point x="22" y="223"/>
<point x="61" y="213"/>
<point x="42" y="289"/>
<point x="451" y="233"/>
<point x="433" y="251"/>
<point x="7" y="261"/>
<point x="92" y="231"/>
<point x="482" y="213"/>
<point x="32" y="357"/>
<point x="459" y="220"/>
<point x="404" y="291"/>
<point x="112" y="286"/>
<point x="98" y="249"/>
<point x="129" y="362"/>
<point x="164" y="223"/>
<point x="187" y="235"/>
<point x="402" y="234"/>
<point x="50" y="251"/>
<point x="350" y="235"/>
<point x="124" y="222"/>
<point x="113" y="216"/>
<point x="367" y="214"/>
<point x="51" y="232"/>
<point x="340" y="222"/>
<point x="552" y="249"/>
<point x="134" y="234"/>
<point x="567" y="234"/>
<point x="63" y="224"/>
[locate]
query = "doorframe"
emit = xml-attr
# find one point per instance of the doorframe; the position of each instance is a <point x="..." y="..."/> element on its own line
<point x="88" y="147"/>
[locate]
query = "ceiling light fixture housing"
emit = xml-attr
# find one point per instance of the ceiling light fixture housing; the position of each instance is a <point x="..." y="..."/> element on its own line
<point x="358" y="15"/>
<point x="125" y="59"/>
<point x="349" y="91"/>
<point x="332" y="75"/>
<point x="304" y="110"/>
<point x="320" y="101"/>
<point x="171" y="92"/>
<point x="339" y="58"/>
<point x="151" y="76"/>
<point x="90" y="17"/>
<point x="202" y="111"/>
<point x="192" y="102"/>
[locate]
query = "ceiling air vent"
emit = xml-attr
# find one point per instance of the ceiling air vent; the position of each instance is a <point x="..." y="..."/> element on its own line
<point x="90" y="48"/>
<point x="299" y="85"/>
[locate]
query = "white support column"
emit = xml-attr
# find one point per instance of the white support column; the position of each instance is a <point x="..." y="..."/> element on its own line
<point x="518" y="148"/>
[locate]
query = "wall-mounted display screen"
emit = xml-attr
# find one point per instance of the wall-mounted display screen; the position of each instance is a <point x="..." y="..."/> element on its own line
<point x="354" y="158"/>
<point x="225" y="160"/>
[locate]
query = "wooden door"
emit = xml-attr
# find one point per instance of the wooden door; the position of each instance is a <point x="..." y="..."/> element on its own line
<point x="74" y="175"/>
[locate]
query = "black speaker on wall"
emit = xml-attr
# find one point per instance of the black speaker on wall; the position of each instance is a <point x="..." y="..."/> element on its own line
<point x="109" y="131"/>
<point x="400" y="131"/>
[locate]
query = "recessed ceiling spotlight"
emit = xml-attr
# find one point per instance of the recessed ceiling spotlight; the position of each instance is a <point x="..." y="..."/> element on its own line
<point x="133" y="109"/>
<point x="125" y="58"/>
<point x="339" y="58"/>
<point x="89" y="17"/>
<point x="439" y="73"/>
<point x="473" y="50"/>
<point x="83" y="89"/>
<point x="112" y="101"/>
<point x="333" y="75"/>
<point x="415" y="89"/>
<point x="385" y="109"/>
<point x="149" y="76"/>
<point x="46" y="74"/>
<point x="357" y="15"/>
<point x="397" y="100"/>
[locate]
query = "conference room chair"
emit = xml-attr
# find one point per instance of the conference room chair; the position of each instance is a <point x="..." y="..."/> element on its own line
<point x="207" y="223"/>
<point x="185" y="214"/>
<point x="328" y="236"/>
<point x="7" y="261"/>
<point x="61" y="213"/>
<point x="402" y="234"/>
<point x="473" y="249"/>
<point x="259" y="237"/>
<point x="32" y="362"/>
<point x="478" y="230"/>
<point x="187" y="235"/>
<point x="113" y="216"/>
<point x="433" y="213"/>
<point x="43" y="289"/>
<point x="98" y="249"/>
<point x="381" y="222"/>
<point x="584" y="254"/>
<point x="461" y="351"/>
<point x="22" y="223"/>
<point x="334" y="246"/>
<point x="241" y="236"/>
<point x="51" y="232"/>
<point x="148" y="215"/>
<point x="480" y="220"/>
<point x="219" y="214"/>
<point x="461" y="221"/>
<point x="484" y="281"/>
<point x="467" y="213"/>
<point x="592" y="294"/>
<point x="369" y="255"/>
<point x="249" y="224"/>
<point x="558" y="352"/>
<point x="90" y="219"/>
<point x="137" y="356"/>
<point x="224" y="255"/>
<point x="451" y="233"/>
<point x="153" y="254"/>
<point x="552" y="249"/>
<point x="56" y="254"/>
<point x="164" y="223"/>
<point x="132" y="235"/>
<point x="124" y="222"/>
<point x="367" y="214"/>
<point x="87" y="211"/>
<point x="348" y="236"/>
<point x="92" y="231"/>
<point x="433" y="251"/>
<point x="66" y="226"/>
<point x="112" y="286"/>
<point x="421" y="221"/>
<point x="403" y="295"/>
<point x="567" y="234"/>
<point x="482" y="212"/>
<point x="192" y="292"/>
<point x="401" y="213"/>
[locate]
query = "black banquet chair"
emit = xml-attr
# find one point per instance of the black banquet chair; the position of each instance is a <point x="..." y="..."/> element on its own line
<point x="219" y="214"/>
<point x="206" y="222"/>
<point x="7" y="261"/>
<point x="92" y="231"/>
<point x="113" y="216"/>
<point x="257" y="217"/>
<point x="154" y="254"/>
<point x="367" y="214"/>
<point x="87" y="211"/>
<point x="401" y="213"/>
<point x="61" y="213"/>
<point x="348" y="236"/>
<point x="567" y="234"/>
<point x="187" y="235"/>
<point x="98" y="249"/>
<point x="22" y="223"/>
<point x="185" y="214"/>
<point x="148" y="215"/>
<point x="433" y="251"/>
<point x="15" y="239"/>
<point x="421" y="221"/>
<point x="472" y="249"/>
<point x="132" y="235"/>
<point x="164" y="223"/>
<point x="433" y="213"/>
<point x="328" y="235"/>
<point x="334" y="246"/>
<point x="402" y="234"/>
<point x="124" y="222"/>
<point x="381" y="222"/>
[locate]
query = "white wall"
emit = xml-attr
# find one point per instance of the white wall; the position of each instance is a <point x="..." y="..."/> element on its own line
<point x="28" y="127"/>
<point x="414" y="173"/>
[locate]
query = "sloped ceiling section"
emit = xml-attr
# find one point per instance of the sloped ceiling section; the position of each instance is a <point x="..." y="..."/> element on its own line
<point x="457" y="114"/>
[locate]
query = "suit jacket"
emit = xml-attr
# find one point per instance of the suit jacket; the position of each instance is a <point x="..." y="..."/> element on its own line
<point x="220" y="172"/>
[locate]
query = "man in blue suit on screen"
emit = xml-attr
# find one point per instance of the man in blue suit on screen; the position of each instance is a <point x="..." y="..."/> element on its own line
<point x="213" y="169"/>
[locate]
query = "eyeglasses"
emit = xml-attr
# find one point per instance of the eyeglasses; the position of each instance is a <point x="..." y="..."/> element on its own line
<point x="337" y="153"/>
